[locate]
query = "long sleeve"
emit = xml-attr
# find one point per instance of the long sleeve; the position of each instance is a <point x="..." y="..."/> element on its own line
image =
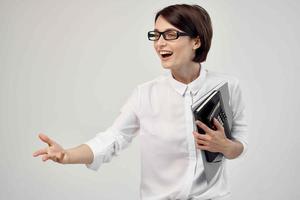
<point x="239" y="126"/>
<point x="109" y="143"/>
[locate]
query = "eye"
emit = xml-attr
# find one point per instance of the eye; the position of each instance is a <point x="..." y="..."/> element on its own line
<point x="172" y="34"/>
<point x="153" y="35"/>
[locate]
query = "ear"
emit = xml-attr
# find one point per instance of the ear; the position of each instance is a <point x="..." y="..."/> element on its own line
<point x="197" y="43"/>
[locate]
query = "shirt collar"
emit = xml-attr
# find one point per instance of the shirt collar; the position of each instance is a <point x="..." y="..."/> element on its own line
<point x="193" y="86"/>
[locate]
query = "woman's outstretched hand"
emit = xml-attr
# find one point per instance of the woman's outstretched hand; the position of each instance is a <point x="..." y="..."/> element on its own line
<point x="54" y="151"/>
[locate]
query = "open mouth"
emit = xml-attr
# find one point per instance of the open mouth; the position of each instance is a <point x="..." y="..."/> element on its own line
<point x="165" y="54"/>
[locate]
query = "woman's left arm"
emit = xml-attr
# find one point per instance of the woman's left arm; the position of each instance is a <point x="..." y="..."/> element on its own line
<point x="216" y="140"/>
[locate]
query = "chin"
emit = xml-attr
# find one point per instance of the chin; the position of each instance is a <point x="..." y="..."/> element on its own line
<point x="166" y="65"/>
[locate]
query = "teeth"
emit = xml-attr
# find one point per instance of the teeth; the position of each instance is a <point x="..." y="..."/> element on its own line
<point x="165" y="52"/>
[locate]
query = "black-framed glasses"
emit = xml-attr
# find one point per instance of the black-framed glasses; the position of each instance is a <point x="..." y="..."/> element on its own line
<point x="167" y="35"/>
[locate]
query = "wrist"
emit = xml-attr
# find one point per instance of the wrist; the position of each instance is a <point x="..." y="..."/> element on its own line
<point x="66" y="158"/>
<point x="228" y="145"/>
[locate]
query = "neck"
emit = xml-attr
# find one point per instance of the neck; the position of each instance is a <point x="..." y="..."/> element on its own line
<point x="187" y="74"/>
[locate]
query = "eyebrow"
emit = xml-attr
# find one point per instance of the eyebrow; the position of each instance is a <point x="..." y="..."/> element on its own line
<point x="168" y="29"/>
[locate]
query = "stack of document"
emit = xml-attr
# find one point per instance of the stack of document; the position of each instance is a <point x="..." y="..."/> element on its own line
<point x="214" y="104"/>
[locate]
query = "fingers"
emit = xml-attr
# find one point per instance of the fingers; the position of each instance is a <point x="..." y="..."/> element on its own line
<point x="218" y="124"/>
<point x="203" y="137"/>
<point x="212" y="139"/>
<point x="54" y="157"/>
<point x="49" y="157"/>
<point x="46" y="139"/>
<point x="202" y="147"/>
<point x="202" y="143"/>
<point x="40" y="152"/>
<point x="45" y="157"/>
<point x="204" y="127"/>
<point x="54" y="152"/>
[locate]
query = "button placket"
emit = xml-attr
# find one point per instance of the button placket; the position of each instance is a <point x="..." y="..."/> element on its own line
<point x="188" y="100"/>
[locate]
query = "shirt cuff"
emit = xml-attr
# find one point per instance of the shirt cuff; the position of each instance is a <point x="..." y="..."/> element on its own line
<point x="103" y="149"/>
<point x="96" y="161"/>
<point x="245" y="148"/>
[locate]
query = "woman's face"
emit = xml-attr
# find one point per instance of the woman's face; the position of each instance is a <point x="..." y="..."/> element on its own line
<point x="182" y="49"/>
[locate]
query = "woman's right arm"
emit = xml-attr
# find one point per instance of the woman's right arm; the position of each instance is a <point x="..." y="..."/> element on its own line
<point x="104" y="145"/>
<point x="55" y="152"/>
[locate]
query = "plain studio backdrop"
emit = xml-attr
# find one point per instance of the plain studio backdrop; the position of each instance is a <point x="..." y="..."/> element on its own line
<point x="67" y="67"/>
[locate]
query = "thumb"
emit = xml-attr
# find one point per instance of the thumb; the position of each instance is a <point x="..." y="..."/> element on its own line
<point x="46" y="139"/>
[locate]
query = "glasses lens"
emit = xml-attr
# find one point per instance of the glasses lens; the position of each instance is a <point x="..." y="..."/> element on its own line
<point x="152" y="35"/>
<point x="170" y="35"/>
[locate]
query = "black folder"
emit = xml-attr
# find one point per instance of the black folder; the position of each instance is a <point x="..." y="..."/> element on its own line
<point x="215" y="104"/>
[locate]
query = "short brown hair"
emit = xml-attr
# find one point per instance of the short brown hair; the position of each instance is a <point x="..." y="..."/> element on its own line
<point x="194" y="20"/>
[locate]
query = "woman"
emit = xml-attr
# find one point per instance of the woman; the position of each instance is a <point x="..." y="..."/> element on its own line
<point x="160" y="112"/>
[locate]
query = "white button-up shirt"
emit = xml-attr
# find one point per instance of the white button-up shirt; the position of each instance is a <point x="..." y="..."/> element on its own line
<point x="159" y="111"/>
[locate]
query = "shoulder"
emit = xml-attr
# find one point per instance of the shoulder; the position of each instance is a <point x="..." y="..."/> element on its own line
<point x="216" y="77"/>
<point x="155" y="83"/>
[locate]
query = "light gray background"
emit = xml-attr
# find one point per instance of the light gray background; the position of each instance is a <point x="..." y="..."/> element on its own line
<point x="66" y="68"/>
